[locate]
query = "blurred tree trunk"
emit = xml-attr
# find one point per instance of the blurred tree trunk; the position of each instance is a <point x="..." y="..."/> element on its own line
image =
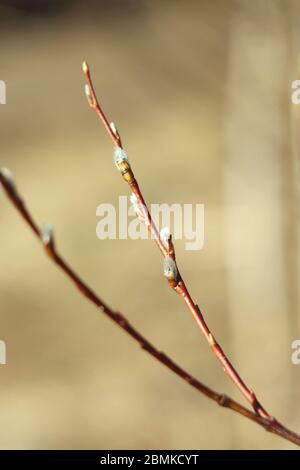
<point x="293" y="168"/>
<point x="261" y="245"/>
<point x="291" y="174"/>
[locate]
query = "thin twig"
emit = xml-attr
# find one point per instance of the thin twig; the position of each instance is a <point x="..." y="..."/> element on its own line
<point x="172" y="273"/>
<point x="45" y="235"/>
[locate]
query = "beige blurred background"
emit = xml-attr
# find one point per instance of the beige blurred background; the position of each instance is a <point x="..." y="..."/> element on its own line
<point x="200" y="91"/>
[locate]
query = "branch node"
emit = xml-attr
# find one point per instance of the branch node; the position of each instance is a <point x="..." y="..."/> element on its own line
<point x="212" y="341"/>
<point x="223" y="400"/>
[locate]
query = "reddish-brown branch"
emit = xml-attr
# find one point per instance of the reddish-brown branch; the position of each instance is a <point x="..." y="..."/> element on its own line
<point x="151" y="225"/>
<point x="179" y="286"/>
<point x="270" y="425"/>
<point x="115" y="137"/>
<point x="94" y="103"/>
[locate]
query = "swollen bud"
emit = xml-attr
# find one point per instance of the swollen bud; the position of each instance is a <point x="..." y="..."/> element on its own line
<point x="47" y="236"/>
<point x="170" y="270"/>
<point x="123" y="165"/>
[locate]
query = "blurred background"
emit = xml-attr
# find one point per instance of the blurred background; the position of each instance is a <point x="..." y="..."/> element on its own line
<point x="201" y="93"/>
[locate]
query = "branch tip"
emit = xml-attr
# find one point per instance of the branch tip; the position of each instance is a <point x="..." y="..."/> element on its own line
<point x="85" y="67"/>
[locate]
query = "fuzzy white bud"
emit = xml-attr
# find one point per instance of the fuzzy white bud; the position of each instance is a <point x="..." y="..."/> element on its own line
<point x="85" y="67"/>
<point x="87" y="91"/>
<point x="47" y="234"/>
<point x="9" y="180"/>
<point x="138" y="209"/>
<point x="7" y="174"/>
<point x="113" y="128"/>
<point x="165" y="236"/>
<point x="134" y="201"/>
<point x="170" y="269"/>
<point x="120" y="156"/>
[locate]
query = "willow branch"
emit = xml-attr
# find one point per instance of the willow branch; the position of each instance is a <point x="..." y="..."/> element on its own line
<point x="45" y="236"/>
<point x="166" y="247"/>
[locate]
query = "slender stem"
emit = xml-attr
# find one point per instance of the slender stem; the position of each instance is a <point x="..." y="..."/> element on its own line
<point x="218" y="351"/>
<point x="270" y="425"/>
<point x="94" y="103"/>
<point x="115" y="137"/>
<point x="180" y="286"/>
<point x="151" y="225"/>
